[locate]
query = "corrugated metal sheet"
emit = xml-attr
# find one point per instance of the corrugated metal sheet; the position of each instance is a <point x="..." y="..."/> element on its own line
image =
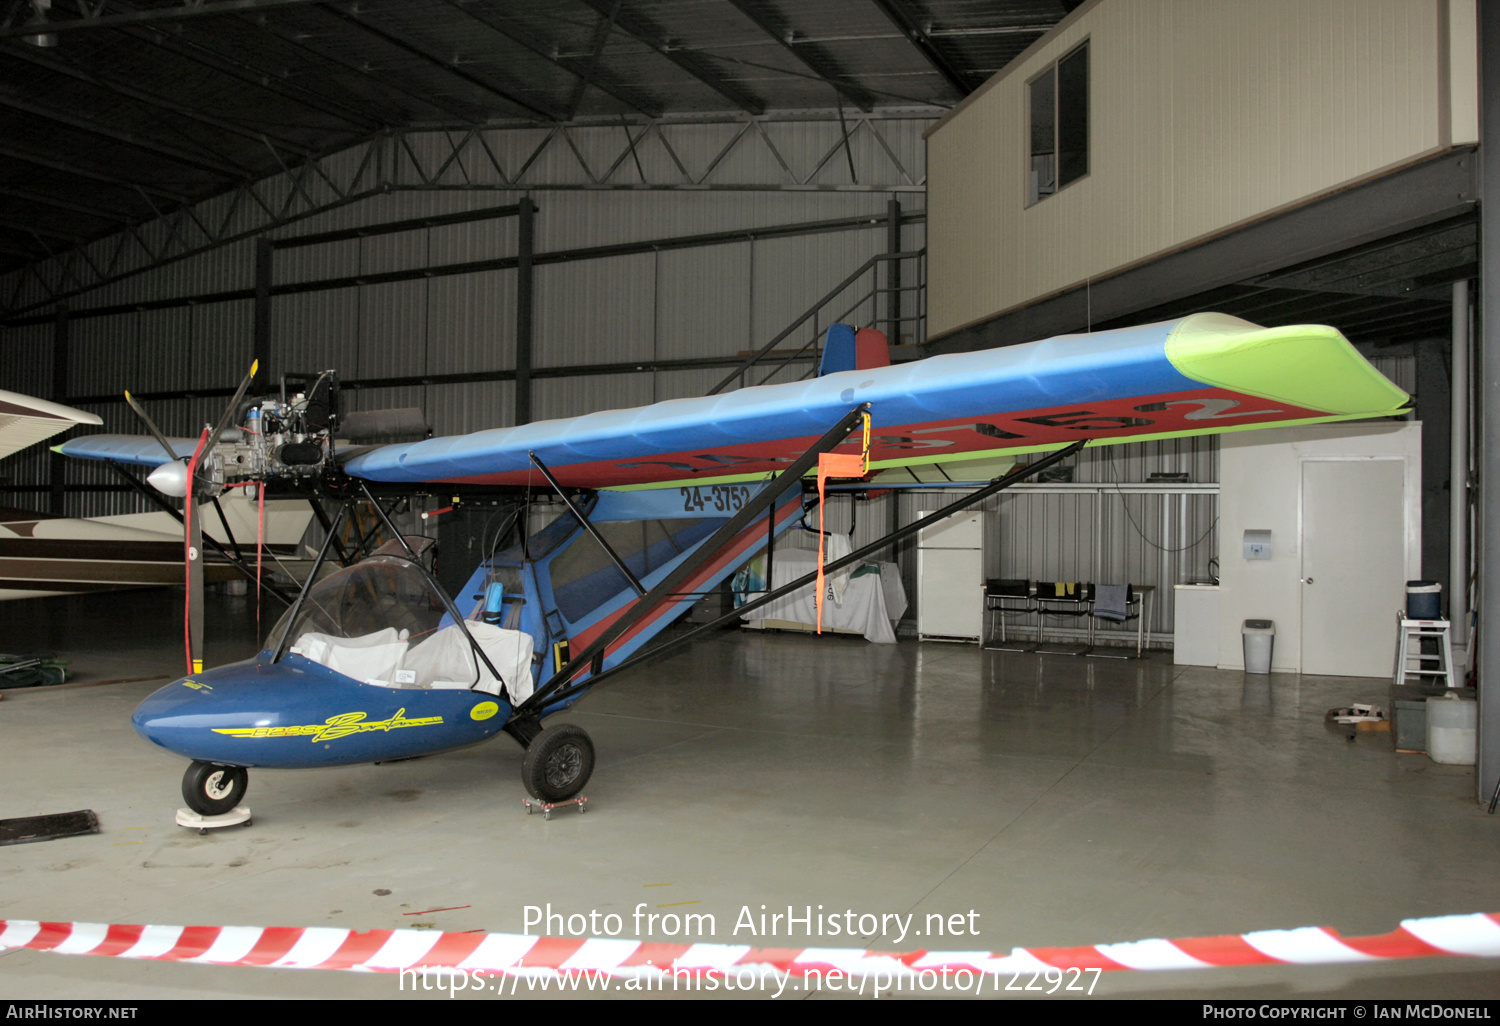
<point x="393" y="329"/>
<point x="703" y="302"/>
<point x="471" y="322"/>
<point x="714" y="301"/>
<point x="1202" y="115"/>
<point x="553" y="398"/>
<point x="595" y="311"/>
<point x="26" y="360"/>
<point x="313" y="331"/>
<point x="791" y="275"/>
<point x="457" y="409"/>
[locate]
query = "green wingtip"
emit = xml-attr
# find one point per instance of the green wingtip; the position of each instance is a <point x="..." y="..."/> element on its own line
<point x="57" y="449"/>
<point x="1310" y="365"/>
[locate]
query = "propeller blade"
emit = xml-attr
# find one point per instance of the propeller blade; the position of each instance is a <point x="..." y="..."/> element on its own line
<point x="192" y="601"/>
<point x="234" y="404"/>
<point x="224" y="419"/>
<point x="140" y="411"/>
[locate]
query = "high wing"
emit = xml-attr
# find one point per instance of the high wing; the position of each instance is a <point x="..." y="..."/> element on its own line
<point x="25" y="421"/>
<point x="1203" y="374"/>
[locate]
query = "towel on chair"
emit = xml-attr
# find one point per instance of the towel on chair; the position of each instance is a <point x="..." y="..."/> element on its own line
<point x="1110" y="602"/>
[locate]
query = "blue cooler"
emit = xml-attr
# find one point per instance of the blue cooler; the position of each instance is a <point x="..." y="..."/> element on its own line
<point x="1424" y="600"/>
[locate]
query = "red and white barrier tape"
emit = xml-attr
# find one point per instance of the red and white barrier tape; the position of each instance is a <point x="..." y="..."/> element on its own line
<point x="395" y="950"/>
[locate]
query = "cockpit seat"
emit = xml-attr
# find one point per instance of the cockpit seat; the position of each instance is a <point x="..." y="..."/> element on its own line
<point x="372" y="658"/>
<point x="445" y="660"/>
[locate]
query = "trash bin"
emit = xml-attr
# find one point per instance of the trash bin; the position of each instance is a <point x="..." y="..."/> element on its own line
<point x="1452" y="730"/>
<point x="1259" y="637"/>
<point x="1424" y="600"/>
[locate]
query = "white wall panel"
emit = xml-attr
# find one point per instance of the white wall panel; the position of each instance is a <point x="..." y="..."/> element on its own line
<point x="1202" y="115"/>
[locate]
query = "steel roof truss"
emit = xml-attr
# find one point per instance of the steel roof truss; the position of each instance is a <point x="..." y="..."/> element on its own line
<point x="643" y="31"/>
<point x="821" y="66"/>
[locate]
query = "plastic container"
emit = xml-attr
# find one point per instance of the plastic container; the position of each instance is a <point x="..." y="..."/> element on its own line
<point x="1424" y="600"/>
<point x="1259" y="637"/>
<point x="1452" y="727"/>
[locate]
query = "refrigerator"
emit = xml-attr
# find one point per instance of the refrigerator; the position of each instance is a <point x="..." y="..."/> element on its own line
<point x="950" y="579"/>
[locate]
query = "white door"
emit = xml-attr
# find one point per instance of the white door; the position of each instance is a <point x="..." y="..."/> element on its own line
<point x="1353" y="564"/>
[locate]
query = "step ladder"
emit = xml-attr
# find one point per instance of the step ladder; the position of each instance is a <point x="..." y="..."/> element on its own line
<point x="1407" y="651"/>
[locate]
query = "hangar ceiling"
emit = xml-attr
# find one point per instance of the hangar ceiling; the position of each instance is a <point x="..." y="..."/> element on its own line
<point x="114" y="112"/>
<point x="1395" y="290"/>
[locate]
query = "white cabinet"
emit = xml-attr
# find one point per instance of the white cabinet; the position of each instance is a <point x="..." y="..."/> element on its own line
<point x="950" y="578"/>
<point x="1195" y="637"/>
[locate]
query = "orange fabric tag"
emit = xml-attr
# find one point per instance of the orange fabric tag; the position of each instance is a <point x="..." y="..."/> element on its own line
<point x="832" y="465"/>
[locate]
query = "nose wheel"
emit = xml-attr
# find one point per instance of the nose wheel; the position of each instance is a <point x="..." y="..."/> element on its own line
<point x="558" y="763"/>
<point x="211" y="790"/>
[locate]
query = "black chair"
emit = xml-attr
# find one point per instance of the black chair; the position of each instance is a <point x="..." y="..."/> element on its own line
<point x="1003" y="595"/>
<point x="1133" y="601"/>
<point x="1063" y="598"/>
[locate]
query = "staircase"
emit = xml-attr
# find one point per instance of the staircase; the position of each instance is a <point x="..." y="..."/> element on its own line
<point x="882" y="300"/>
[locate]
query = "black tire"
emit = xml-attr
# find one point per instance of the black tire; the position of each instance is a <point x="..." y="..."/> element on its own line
<point x="211" y="790"/>
<point x="558" y="763"/>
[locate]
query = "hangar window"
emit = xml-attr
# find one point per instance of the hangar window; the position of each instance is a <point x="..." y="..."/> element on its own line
<point x="1058" y="124"/>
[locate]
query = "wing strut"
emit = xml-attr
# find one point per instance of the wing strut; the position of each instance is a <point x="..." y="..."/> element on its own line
<point x="239" y="564"/>
<point x="432" y="582"/>
<point x="524" y="723"/>
<point x="997" y="485"/>
<point x="635" y="582"/>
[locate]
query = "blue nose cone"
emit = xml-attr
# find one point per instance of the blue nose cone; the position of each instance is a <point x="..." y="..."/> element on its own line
<point x="174" y="713"/>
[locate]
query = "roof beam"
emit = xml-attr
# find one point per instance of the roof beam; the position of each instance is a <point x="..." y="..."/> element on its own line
<point x="50" y="233"/>
<point x="206" y="8"/>
<point x="643" y="30"/>
<point x="901" y="16"/>
<point x="602" y="29"/>
<point x="371" y="75"/>
<point x="14" y="153"/>
<point x="189" y="49"/>
<point x="818" y="62"/>
<point x="586" y="71"/>
<point x="61" y="204"/>
<point x="171" y="153"/>
<point x="446" y="66"/>
<point x="113" y="85"/>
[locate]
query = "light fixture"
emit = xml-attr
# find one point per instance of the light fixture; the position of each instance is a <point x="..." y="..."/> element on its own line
<point x="39" y="9"/>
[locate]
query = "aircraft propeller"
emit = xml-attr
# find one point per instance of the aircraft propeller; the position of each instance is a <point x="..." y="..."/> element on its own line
<point x="191" y="481"/>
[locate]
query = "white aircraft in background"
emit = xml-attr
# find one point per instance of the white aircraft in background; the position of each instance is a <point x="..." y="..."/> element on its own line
<point x="43" y="555"/>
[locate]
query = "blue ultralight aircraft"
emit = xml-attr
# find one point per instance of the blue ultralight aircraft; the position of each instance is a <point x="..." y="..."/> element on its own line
<point x="375" y="662"/>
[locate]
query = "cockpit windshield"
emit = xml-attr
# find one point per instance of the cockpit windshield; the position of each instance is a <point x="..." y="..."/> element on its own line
<point x="380" y="593"/>
<point x="380" y="622"/>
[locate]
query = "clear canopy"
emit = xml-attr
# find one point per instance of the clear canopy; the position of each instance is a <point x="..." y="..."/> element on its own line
<point x="380" y="593"/>
<point x="380" y="622"/>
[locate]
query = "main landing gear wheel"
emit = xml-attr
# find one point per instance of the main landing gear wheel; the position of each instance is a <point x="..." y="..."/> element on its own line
<point x="558" y="763"/>
<point x="211" y="790"/>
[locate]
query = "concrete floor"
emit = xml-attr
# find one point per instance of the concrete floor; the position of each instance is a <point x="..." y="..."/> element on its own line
<point x="1066" y="801"/>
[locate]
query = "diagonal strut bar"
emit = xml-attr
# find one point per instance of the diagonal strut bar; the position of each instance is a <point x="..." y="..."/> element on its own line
<point x="523" y="731"/>
<point x="997" y="485"/>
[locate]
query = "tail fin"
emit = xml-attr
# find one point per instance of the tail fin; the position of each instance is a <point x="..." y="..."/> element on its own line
<point x="844" y="348"/>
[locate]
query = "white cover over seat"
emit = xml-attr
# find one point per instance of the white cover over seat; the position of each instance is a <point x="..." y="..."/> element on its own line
<point x="445" y="660"/>
<point x="372" y="658"/>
